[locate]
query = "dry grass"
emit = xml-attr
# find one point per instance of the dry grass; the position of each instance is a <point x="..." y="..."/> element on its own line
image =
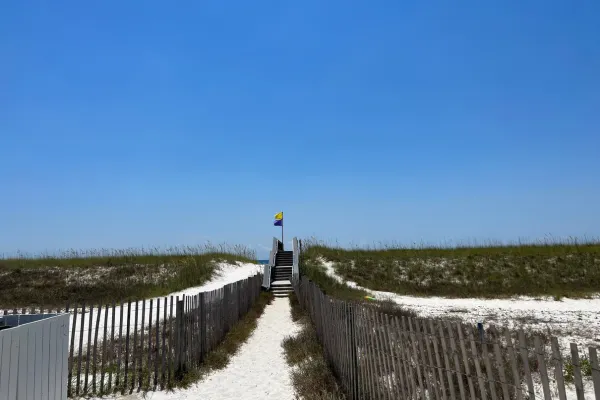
<point x="556" y="269"/>
<point x="311" y="376"/>
<point x="98" y="276"/>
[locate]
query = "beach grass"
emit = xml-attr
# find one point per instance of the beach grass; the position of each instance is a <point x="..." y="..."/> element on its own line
<point x="99" y="276"/>
<point x="552" y="268"/>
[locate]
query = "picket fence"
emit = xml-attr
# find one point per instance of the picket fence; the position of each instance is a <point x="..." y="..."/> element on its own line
<point x="379" y="355"/>
<point x="148" y="345"/>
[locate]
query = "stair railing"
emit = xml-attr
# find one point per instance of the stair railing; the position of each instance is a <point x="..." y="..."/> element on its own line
<point x="269" y="267"/>
<point x="295" y="264"/>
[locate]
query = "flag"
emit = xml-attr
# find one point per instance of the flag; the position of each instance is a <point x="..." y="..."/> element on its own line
<point x="279" y="219"/>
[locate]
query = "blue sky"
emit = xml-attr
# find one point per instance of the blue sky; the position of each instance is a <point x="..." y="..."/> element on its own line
<point x="140" y="123"/>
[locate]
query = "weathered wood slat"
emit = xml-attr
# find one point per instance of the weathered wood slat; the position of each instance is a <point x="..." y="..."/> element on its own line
<point x="71" y="349"/>
<point x="120" y="347"/>
<point x="126" y="363"/>
<point x="88" y="347"/>
<point x="134" y="357"/>
<point x="95" y="355"/>
<point x="558" y="369"/>
<point x="539" y="353"/>
<point x="80" y="350"/>
<point x="149" y="365"/>
<point x="164" y="348"/>
<point x="157" y="344"/>
<point x="595" y="371"/>
<point x="461" y="342"/>
<point x="514" y="365"/>
<point x="112" y="345"/>
<point x="446" y="359"/>
<point x="141" y="356"/>
<point x="525" y="362"/>
<point x="104" y="355"/>
<point x="577" y="372"/>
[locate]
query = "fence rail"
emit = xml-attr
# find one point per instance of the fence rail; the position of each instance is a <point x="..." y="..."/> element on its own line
<point x="148" y="344"/>
<point x="377" y="355"/>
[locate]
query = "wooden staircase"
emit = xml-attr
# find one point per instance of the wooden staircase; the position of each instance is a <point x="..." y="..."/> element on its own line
<point x="281" y="284"/>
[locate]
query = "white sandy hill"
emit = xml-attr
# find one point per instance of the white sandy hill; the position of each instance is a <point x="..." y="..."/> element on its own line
<point x="257" y="371"/>
<point x="225" y="274"/>
<point x="570" y="320"/>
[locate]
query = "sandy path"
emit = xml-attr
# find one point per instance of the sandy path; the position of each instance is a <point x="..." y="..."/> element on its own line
<point x="257" y="371"/>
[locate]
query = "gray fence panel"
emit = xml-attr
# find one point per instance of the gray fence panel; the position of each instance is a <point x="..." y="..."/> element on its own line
<point x="44" y="344"/>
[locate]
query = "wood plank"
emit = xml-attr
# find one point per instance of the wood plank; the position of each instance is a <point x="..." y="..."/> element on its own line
<point x="366" y="346"/>
<point x="134" y="355"/>
<point x="104" y="355"/>
<point x="71" y="349"/>
<point x="427" y="368"/>
<point x="409" y="357"/>
<point x="478" y="371"/>
<point x="171" y="344"/>
<point x="88" y="351"/>
<point x="500" y="362"/>
<point x="164" y="348"/>
<point x="157" y="352"/>
<point x="362" y="375"/>
<point x="454" y="349"/>
<point x="127" y="350"/>
<point x="577" y="372"/>
<point x="150" y="343"/>
<point x="80" y="350"/>
<point x="485" y="351"/>
<point x="558" y="369"/>
<point x="112" y="346"/>
<point x="439" y="366"/>
<point x="525" y="361"/>
<point x="427" y="338"/>
<point x="595" y="371"/>
<point x="465" y="358"/>
<point x="141" y="351"/>
<point x="393" y="338"/>
<point x="446" y="359"/>
<point x="513" y="363"/>
<point x="120" y="347"/>
<point x="95" y="354"/>
<point x="539" y="352"/>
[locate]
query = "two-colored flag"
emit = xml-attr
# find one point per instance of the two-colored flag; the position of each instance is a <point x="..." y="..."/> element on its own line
<point x="279" y="219"/>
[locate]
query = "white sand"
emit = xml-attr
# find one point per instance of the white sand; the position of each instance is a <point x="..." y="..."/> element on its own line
<point x="571" y="320"/>
<point x="257" y="371"/>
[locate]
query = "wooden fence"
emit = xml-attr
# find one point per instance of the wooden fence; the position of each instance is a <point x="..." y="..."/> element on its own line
<point x="149" y="344"/>
<point x="378" y="355"/>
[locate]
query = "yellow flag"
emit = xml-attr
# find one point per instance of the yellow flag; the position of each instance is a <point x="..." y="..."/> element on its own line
<point x="279" y="215"/>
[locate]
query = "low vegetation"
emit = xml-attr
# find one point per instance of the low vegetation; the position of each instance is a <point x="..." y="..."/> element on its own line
<point x="556" y="269"/>
<point x="311" y="375"/>
<point x="97" y="276"/>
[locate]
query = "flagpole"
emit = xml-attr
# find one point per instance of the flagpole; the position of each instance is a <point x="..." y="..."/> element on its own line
<point x="282" y="231"/>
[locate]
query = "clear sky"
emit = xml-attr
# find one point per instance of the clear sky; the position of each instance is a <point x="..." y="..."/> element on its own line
<point x="172" y="123"/>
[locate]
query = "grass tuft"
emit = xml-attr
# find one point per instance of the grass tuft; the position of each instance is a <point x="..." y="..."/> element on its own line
<point x="311" y="375"/>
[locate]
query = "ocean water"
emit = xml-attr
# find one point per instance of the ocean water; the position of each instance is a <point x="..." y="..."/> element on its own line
<point x="263" y="261"/>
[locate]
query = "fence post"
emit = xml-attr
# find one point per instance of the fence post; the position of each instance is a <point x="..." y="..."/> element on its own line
<point x="179" y="356"/>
